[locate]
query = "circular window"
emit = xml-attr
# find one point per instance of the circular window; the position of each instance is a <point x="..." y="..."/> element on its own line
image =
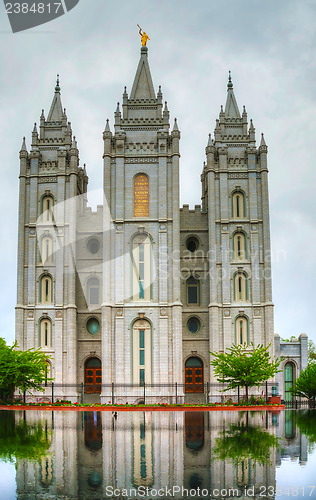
<point x="93" y="325"/>
<point x="192" y="244"/>
<point x="193" y="325"/>
<point x="93" y="245"/>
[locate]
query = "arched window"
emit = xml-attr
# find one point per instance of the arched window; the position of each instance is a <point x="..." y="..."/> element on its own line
<point x="45" y="333"/>
<point x="46" y="289"/>
<point x="141" y="352"/>
<point x="241" y="326"/>
<point x="46" y="250"/>
<point x="141" y="264"/>
<point x="141" y="195"/>
<point x="193" y="291"/>
<point x="238" y="205"/>
<point x="288" y="381"/>
<point x="47" y="208"/>
<point x="240" y="246"/>
<point x="93" y="291"/>
<point x="240" y="287"/>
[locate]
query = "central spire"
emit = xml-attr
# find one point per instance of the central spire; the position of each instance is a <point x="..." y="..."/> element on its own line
<point x="231" y="108"/>
<point x="143" y="87"/>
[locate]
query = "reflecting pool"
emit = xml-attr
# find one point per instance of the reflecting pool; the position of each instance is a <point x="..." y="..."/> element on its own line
<point x="94" y="455"/>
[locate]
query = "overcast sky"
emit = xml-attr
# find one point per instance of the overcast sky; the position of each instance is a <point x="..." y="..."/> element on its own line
<point x="269" y="47"/>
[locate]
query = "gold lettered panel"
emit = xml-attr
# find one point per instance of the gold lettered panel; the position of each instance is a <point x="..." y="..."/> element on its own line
<point x="141" y="196"/>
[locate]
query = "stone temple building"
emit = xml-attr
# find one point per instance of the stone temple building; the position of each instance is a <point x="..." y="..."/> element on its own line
<point x="141" y="290"/>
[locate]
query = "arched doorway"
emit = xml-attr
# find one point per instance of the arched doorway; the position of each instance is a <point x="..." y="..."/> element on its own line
<point x="194" y="381"/>
<point x="93" y="376"/>
<point x="288" y="381"/>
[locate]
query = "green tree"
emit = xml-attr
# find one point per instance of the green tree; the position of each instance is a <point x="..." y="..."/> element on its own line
<point x="244" y="366"/>
<point x="305" y="385"/>
<point x="22" y="370"/>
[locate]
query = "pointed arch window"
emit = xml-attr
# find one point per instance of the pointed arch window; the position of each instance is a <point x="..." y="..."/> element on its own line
<point x="238" y="205"/>
<point x="47" y="208"/>
<point x="142" y="267"/>
<point x="46" y="249"/>
<point x="240" y="246"/>
<point x="45" y="333"/>
<point x="193" y="291"/>
<point x="240" y="287"/>
<point x="141" y="195"/>
<point x="93" y="291"/>
<point x="46" y="289"/>
<point x="241" y="333"/>
<point x="142" y="352"/>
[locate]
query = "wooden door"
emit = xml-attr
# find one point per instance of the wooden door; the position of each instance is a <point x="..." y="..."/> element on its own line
<point x="194" y="381"/>
<point x="93" y="376"/>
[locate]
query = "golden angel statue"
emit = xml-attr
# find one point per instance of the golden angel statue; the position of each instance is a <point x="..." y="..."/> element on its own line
<point x="144" y="36"/>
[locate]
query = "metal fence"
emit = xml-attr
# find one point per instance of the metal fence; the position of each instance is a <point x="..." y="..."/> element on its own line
<point x="148" y="393"/>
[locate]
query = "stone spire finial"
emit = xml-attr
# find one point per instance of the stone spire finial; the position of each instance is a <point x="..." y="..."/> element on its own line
<point x="35" y="129"/>
<point x="175" y="125"/>
<point x="118" y="108"/>
<point x="210" y="141"/>
<point x="74" y="143"/>
<point x="262" y="142"/>
<point x="42" y="115"/>
<point x="230" y="83"/>
<point x="125" y="93"/>
<point x="57" y="88"/>
<point x="23" y="147"/>
<point x="251" y="128"/>
<point x="107" y="126"/>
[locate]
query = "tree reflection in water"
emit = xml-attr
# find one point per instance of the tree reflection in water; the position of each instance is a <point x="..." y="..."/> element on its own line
<point x="22" y="440"/>
<point x="242" y="441"/>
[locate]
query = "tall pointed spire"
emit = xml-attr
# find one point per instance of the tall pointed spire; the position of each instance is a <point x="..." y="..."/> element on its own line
<point x="143" y="87"/>
<point x="231" y="108"/>
<point x="56" y="110"/>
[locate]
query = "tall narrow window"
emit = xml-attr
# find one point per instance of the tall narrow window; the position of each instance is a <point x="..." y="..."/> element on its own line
<point x="46" y="289"/>
<point x="241" y="326"/>
<point x="141" y="196"/>
<point x="141" y="265"/>
<point x="288" y="381"/>
<point x="141" y="352"/>
<point x="240" y="287"/>
<point x="238" y="205"/>
<point x="239" y="243"/>
<point x="93" y="291"/>
<point x="193" y="295"/>
<point x="47" y="211"/>
<point x="45" y="333"/>
<point x="46" y="250"/>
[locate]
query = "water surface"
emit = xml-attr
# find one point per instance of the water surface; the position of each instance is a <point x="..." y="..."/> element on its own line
<point x="93" y="455"/>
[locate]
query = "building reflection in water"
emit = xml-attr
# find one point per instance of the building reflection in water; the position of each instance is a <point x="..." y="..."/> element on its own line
<point x="90" y="451"/>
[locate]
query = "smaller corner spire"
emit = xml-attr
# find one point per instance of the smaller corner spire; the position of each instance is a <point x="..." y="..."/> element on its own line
<point x="74" y="143"/>
<point x="107" y="126"/>
<point x="159" y="93"/>
<point x="230" y="83"/>
<point x="175" y="125"/>
<point x="57" y="88"/>
<point x="251" y="127"/>
<point x="42" y="115"/>
<point x="35" y="129"/>
<point x="118" y="108"/>
<point x="125" y="94"/>
<point x="262" y="142"/>
<point x="23" y="147"/>
<point x="210" y="140"/>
